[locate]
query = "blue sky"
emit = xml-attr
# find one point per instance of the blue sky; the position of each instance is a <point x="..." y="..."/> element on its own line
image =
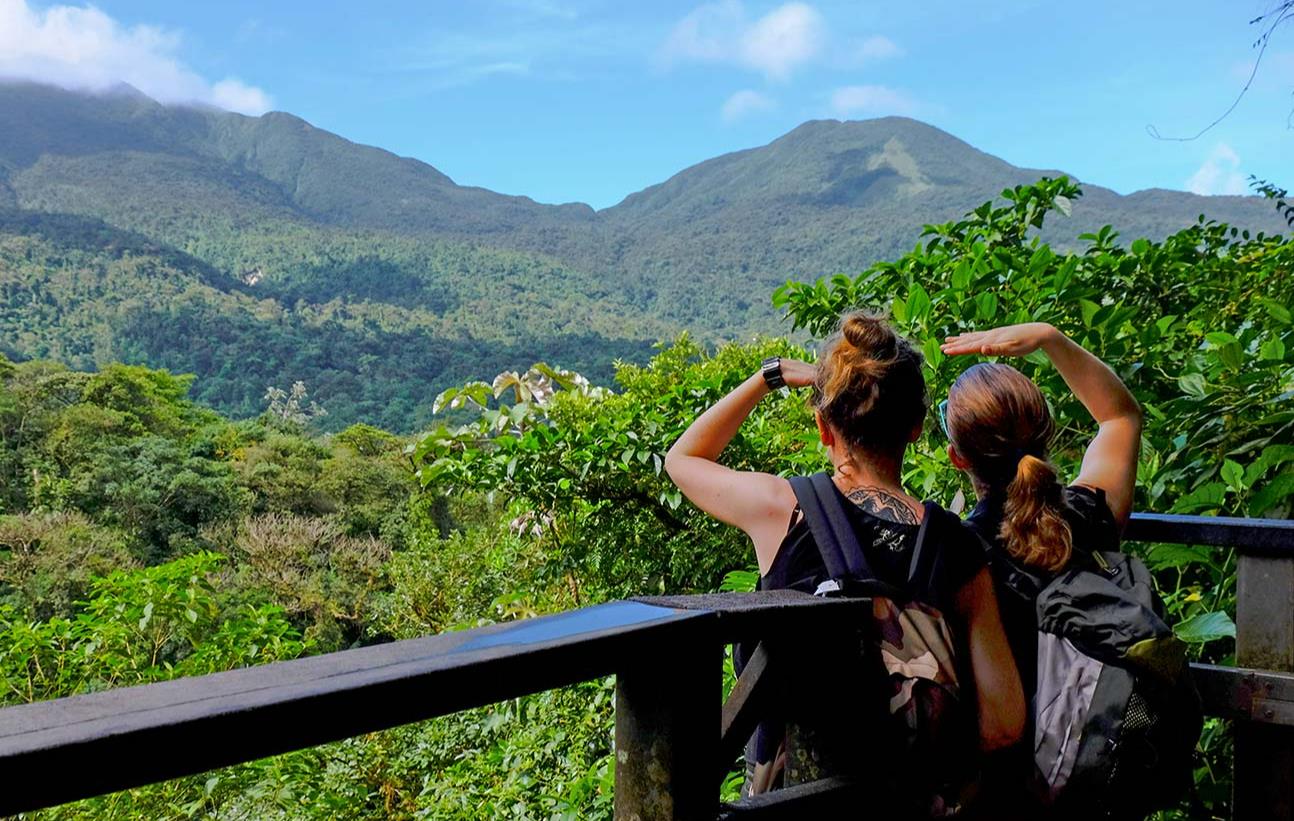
<point x="590" y="100"/>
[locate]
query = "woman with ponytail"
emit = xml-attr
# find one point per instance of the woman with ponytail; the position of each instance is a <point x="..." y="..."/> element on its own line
<point x="870" y="403"/>
<point x="999" y="428"/>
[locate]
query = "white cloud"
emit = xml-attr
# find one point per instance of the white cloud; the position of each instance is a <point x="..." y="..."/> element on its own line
<point x="878" y="47"/>
<point x="745" y="102"/>
<point x="1220" y="174"/>
<point x="852" y="101"/>
<point x="81" y="47"/>
<point x="784" y="38"/>
<point x="235" y="95"/>
<point x="721" y="32"/>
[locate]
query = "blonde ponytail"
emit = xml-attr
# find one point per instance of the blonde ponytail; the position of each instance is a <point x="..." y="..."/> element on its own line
<point x="1034" y="529"/>
<point x="999" y="422"/>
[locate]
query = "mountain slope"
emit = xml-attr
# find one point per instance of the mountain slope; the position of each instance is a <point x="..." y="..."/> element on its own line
<point x="76" y="290"/>
<point x="340" y="259"/>
<point x="834" y="196"/>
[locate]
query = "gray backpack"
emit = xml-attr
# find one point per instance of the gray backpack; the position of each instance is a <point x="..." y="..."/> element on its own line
<point x="1116" y="714"/>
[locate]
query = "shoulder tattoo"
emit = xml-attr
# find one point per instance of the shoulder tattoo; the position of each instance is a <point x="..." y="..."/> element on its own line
<point x="882" y="504"/>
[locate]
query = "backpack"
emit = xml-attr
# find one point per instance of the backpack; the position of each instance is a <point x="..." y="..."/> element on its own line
<point x="1116" y="713"/>
<point x="908" y="645"/>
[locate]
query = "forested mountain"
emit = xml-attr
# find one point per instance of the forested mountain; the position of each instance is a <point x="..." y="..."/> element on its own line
<point x="261" y="250"/>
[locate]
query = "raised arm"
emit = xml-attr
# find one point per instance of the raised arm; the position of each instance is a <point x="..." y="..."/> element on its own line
<point x="758" y="503"/>
<point x="997" y="681"/>
<point x="1110" y="461"/>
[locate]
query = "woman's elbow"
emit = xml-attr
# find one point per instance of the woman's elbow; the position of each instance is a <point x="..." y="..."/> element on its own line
<point x="671" y="463"/>
<point x="1002" y="727"/>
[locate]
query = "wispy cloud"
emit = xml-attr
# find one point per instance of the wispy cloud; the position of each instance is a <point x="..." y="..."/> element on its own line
<point x="1219" y="174"/>
<point x="538" y="40"/>
<point x="775" y="44"/>
<point x="878" y="47"/>
<point x="744" y="103"/>
<point x="871" y="100"/>
<point x="82" y="47"/>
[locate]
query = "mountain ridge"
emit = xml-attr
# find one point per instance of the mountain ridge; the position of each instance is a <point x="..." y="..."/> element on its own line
<point x="308" y="224"/>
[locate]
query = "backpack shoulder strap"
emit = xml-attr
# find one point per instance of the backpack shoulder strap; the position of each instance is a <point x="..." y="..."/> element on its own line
<point x="1009" y="572"/>
<point x="924" y="555"/>
<point x="830" y="526"/>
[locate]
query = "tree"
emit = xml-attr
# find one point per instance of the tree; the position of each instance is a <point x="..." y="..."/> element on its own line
<point x="291" y="407"/>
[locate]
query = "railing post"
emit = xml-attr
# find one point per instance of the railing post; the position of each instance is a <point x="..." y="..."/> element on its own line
<point x="1264" y="753"/>
<point x="667" y="722"/>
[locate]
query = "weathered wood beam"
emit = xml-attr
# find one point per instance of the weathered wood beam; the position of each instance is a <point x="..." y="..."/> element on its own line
<point x="667" y="703"/>
<point x="828" y="798"/>
<point x="750" y="700"/>
<point x="1258" y="537"/>
<point x="768" y="614"/>
<point x="1251" y="695"/>
<point x="128" y="737"/>
<point x="1264" y="752"/>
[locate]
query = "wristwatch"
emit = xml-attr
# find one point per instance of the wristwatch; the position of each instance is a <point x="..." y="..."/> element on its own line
<point x="772" y="371"/>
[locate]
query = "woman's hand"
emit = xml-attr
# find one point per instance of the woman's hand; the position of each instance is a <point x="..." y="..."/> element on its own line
<point x="1009" y="340"/>
<point x="798" y="374"/>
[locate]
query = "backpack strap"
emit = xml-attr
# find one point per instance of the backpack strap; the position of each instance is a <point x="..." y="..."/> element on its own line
<point x="1010" y="573"/>
<point x="921" y="570"/>
<point x="832" y="532"/>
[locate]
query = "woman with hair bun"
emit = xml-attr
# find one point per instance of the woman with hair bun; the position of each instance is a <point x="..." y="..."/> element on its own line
<point x="870" y="402"/>
<point x="999" y="428"/>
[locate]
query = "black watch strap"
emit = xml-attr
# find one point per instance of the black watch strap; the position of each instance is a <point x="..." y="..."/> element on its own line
<point x="772" y="371"/>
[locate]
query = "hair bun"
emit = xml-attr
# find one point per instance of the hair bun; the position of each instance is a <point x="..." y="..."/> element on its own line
<point x="866" y="331"/>
<point x="864" y="359"/>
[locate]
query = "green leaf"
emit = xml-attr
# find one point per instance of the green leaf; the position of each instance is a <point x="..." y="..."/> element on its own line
<point x="1276" y="310"/>
<point x="1192" y="384"/>
<point x="1164" y="556"/>
<point x="918" y="303"/>
<point x="1271" y="456"/>
<point x="1220" y="338"/>
<point x="1268" y="495"/>
<point x="1205" y="627"/>
<point x="1089" y="309"/>
<point x="934" y="356"/>
<point x="1208" y="497"/>
<point x="739" y="581"/>
<point x="961" y="275"/>
<point x="986" y="305"/>
<point x="1063" y="205"/>
<point x="1233" y="475"/>
<point x="1272" y="350"/>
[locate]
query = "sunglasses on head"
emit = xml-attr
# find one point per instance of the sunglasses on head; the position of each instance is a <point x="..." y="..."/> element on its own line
<point x="943" y="418"/>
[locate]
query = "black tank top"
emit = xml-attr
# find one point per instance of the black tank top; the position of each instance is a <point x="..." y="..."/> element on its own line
<point x="888" y="547"/>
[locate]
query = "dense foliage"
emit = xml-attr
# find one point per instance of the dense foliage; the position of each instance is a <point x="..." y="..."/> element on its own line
<point x="80" y="292"/>
<point x="144" y="537"/>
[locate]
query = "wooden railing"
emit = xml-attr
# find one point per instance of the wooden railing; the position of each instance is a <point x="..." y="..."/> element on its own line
<point x="665" y="653"/>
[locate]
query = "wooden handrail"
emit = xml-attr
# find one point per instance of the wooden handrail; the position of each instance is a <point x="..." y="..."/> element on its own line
<point x="1255" y="537"/>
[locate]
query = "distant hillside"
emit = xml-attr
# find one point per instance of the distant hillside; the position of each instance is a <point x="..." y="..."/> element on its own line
<point x="835" y="196"/>
<point x="78" y="291"/>
<point x="289" y="235"/>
